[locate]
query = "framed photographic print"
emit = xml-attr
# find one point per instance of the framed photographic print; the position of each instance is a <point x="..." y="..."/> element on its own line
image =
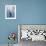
<point x="10" y="11"/>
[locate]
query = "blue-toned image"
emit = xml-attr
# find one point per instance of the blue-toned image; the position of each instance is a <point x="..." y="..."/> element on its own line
<point x="11" y="12"/>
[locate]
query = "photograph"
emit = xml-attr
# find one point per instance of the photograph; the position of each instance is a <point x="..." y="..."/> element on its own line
<point x="10" y="11"/>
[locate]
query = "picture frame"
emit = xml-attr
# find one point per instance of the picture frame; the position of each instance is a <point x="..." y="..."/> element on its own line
<point x="10" y="11"/>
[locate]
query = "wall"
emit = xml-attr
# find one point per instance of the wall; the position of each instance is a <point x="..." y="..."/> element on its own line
<point x="27" y="12"/>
